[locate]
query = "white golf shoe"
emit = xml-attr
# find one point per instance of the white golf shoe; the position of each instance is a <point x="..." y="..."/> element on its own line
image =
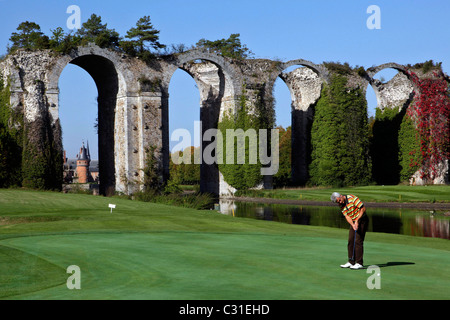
<point x="347" y="265"/>
<point x="356" y="266"/>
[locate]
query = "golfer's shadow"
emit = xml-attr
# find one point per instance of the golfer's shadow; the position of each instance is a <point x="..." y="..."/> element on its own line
<point x="392" y="264"/>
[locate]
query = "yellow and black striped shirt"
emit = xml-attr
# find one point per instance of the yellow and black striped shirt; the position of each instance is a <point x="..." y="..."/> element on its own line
<point x="352" y="207"/>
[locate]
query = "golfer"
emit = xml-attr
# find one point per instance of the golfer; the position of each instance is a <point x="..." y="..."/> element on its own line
<point x="355" y="213"/>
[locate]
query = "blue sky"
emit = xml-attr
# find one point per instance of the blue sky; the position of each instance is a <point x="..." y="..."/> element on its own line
<point x="316" y="30"/>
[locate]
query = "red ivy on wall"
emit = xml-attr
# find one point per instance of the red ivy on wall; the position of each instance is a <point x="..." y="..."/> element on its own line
<point x="431" y="113"/>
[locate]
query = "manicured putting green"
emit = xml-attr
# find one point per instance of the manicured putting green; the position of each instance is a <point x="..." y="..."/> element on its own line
<point x="152" y="251"/>
<point x="191" y="265"/>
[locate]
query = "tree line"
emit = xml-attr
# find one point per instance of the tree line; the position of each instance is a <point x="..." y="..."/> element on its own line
<point x="140" y="41"/>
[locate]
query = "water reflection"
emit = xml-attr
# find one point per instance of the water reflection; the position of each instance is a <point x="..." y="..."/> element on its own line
<point x="399" y="221"/>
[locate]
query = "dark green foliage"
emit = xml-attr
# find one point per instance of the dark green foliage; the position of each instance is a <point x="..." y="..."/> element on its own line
<point x="410" y="157"/>
<point x="29" y="37"/>
<point x="64" y="44"/>
<point x="10" y="141"/>
<point x="339" y="137"/>
<point x="94" y="31"/>
<point x="231" y="47"/>
<point x="395" y="147"/>
<point x="42" y="159"/>
<point x="283" y="176"/>
<point x="143" y="37"/>
<point x="338" y="68"/>
<point x="199" y="201"/>
<point x="240" y="175"/>
<point x="152" y="181"/>
<point x="188" y="171"/>
<point x="426" y="66"/>
<point x="10" y="159"/>
<point x="385" y="146"/>
<point x="245" y="124"/>
<point x="170" y="193"/>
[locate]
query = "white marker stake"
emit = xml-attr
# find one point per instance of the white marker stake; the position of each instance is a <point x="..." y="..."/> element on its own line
<point x="112" y="206"/>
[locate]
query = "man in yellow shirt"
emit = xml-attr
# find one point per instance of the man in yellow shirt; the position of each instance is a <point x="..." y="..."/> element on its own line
<point x="354" y="212"/>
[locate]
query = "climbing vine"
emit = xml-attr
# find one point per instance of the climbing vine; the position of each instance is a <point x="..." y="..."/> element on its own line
<point x="339" y="136"/>
<point x="409" y="156"/>
<point x="10" y="139"/>
<point x="430" y="112"/>
<point x="249" y="117"/>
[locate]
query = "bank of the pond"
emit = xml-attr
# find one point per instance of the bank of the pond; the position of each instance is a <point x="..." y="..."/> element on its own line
<point x="407" y="205"/>
<point x="436" y="197"/>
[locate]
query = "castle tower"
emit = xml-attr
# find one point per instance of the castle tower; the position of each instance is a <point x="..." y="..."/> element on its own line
<point x="83" y="163"/>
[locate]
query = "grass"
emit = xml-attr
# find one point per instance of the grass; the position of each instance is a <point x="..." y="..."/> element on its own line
<point x="152" y="251"/>
<point x="398" y="193"/>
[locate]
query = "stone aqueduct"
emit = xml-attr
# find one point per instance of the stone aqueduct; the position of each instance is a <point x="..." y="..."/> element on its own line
<point x="133" y="101"/>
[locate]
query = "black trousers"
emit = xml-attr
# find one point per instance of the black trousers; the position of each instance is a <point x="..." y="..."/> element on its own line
<point x="363" y="225"/>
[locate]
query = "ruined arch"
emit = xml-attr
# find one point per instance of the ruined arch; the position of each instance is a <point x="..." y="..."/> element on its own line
<point x="304" y="85"/>
<point x="320" y="70"/>
<point x="374" y="70"/>
<point x="232" y="75"/>
<point x="399" y="90"/>
<point x="102" y="65"/>
<point x="218" y="83"/>
<point x="394" y="96"/>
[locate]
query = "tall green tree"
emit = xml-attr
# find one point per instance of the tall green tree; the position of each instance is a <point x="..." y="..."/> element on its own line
<point x="93" y="30"/>
<point x="29" y="36"/>
<point x="143" y="37"/>
<point x="283" y="176"/>
<point x="339" y="136"/>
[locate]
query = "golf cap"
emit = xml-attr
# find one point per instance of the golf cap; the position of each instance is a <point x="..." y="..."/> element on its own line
<point x="334" y="196"/>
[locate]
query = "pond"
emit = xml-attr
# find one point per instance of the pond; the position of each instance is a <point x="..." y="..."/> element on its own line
<point x="400" y="221"/>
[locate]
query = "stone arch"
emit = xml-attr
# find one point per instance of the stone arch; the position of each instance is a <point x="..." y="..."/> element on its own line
<point x="396" y="91"/>
<point x="232" y="78"/>
<point x="392" y="65"/>
<point x="105" y="68"/>
<point x="218" y="82"/>
<point x="321" y="71"/>
<point x="305" y="88"/>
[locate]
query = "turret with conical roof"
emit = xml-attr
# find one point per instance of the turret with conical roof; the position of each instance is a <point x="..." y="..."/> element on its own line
<point x="83" y="162"/>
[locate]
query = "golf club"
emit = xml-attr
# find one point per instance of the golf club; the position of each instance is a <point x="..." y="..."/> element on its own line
<point x="354" y="245"/>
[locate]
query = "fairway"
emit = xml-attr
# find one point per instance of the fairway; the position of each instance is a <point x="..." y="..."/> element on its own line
<point x="151" y="251"/>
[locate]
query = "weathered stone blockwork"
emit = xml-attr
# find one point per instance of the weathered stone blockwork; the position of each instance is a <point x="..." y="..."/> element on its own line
<point x="133" y="102"/>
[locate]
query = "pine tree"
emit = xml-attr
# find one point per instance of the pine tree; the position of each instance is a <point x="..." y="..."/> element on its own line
<point x="144" y="34"/>
<point x="29" y="37"/>
<point x="94" y="31"/>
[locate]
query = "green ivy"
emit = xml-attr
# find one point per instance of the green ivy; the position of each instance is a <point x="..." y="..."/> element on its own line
<point x="385" y="145"/>
<point x="283" y="176"/>
<point x="339" y="136"/>
<point x="10" y="140"/>
<point x="245" y="176"/>
<point x="152" y="181"/>
<point x="42" y="160"/>
<point x="410" y="157"/>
